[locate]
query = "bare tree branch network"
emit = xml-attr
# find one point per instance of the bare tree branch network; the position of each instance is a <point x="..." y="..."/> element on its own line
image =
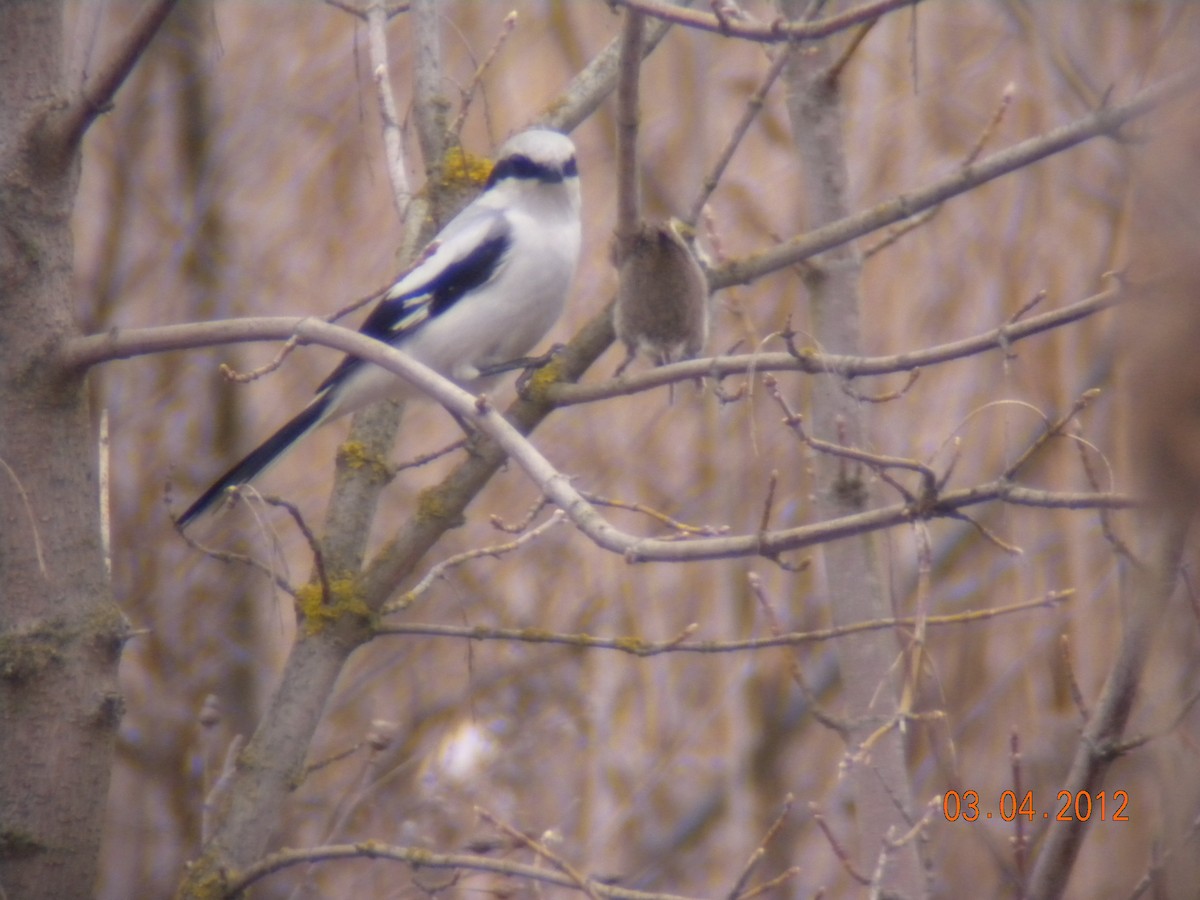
<point x="887" y="592"/>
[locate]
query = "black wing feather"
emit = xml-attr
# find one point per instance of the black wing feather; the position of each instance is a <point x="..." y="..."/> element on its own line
<point x="386" y="322"/>
<point x="449" y="286"/>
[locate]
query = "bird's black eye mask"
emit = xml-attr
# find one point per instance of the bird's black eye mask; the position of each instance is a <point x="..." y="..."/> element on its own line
<point x="521" y="166"/>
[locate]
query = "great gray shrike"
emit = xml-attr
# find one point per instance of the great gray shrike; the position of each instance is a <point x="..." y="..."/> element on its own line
<point x="489" y="287"/>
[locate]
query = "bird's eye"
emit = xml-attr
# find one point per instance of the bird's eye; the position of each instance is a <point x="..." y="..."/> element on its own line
<point x="571" y="168"/>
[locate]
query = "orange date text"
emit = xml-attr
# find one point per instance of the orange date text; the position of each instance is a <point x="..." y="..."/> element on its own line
<point x="1077" y="806"/>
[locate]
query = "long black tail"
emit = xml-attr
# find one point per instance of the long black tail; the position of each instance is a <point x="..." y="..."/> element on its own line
<point x="258" y="459"/>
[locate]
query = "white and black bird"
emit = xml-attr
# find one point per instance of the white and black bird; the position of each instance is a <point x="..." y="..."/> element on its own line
<point x="488" y="288"/>
<point x="662" y="302"/>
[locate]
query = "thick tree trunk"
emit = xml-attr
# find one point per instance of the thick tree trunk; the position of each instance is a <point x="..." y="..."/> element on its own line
<point x="60" y="634"/>
<point x="855" y="591"/>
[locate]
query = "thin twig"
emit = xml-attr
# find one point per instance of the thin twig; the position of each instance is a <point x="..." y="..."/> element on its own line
<point x="775" y="32"/>
<point x="1006" y="98"/>
<point x="506" y="29"/>
<point x="753" y="107"/>
<point x="229" y="373"/>
<point x="760" y="851"/>
<point x="899" y="230"/>
<point x="834" y="723"/>
<point x="500" y="525"/>
<point x="495" y="551"/>
<point x="216" y="798"/>
<point x="672" y="523"/>
<point x="1035" y="301"/>
<point x="795" y="421"/>
<point x="987" y="534"/>
<point x="1053" y="429"/>
<point x="682" y="643"/>
<point x="1147" y="881"/>
<point x="581" y="881"/>
<point x="1124" y="746"/>
<point x="1072" y="682"/>
<point x="764" y="521"/>
<point x="393" y="142"/>
<point x="228" y="557"/>
<point x="1107" y="527"/>
<point x="105" y="479"/>
<point x="841" y="854"/>
<point x="426" y="458"/>
<point x="770" y="884"/>
<point x="886" y="396"/>
<point x="28" y="507"/>
<point x="314" y="546"/>
<point x="591" y="86"/>
<point x="358" y="12"/>
<point x="1020" y="838"/>
<point x="236" y="882"/>
<point x="334" y="758"/>
<point x="833" y="73"/>
<point x="914" y="650"/>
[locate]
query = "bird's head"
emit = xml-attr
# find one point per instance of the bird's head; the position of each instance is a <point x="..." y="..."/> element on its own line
<point x="540" y="163"/>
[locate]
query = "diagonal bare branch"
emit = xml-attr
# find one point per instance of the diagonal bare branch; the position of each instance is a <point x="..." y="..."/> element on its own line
<point x="96" y="97"/>
<point x="1105" y="121"/>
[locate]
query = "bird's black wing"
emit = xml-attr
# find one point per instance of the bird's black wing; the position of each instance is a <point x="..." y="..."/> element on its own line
<point x="459" y="262"/>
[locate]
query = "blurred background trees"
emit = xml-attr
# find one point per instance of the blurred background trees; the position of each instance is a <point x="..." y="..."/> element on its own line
<point x="242" y="173"/>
